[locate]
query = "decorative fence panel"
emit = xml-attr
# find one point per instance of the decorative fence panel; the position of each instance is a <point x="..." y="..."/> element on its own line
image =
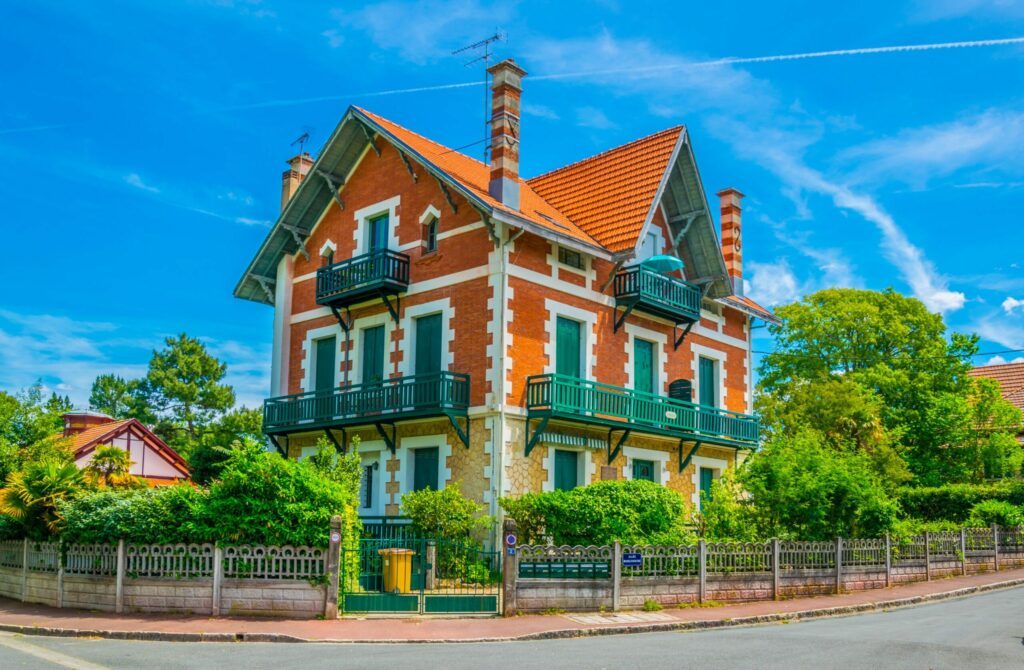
<point x="43" y="556"/>
<point x="671" y="561"/>
<point x="868" y="553"/>
<point x="287" y="562"/>
<point x="738" y="557"/>
<point x="177" y="561"/>
<point x="795" y="555"/>
<point x="90" y="559"/>
<point x="12" y="553"/>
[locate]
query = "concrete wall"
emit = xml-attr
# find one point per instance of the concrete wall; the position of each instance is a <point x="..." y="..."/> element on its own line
<point x="256" y="597"/>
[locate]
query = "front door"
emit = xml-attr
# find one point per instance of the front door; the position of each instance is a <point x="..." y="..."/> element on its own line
<point x="324" y="363"/>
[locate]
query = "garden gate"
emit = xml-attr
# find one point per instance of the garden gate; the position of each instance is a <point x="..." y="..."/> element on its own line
<point x="419" y="576"/>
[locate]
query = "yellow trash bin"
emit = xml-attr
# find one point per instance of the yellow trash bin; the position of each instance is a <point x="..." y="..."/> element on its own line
<point x="397" y="569"/>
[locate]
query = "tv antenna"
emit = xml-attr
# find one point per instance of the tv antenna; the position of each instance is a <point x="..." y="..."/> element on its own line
<point x="301" y="141"/>
<point x="483" y="47"/>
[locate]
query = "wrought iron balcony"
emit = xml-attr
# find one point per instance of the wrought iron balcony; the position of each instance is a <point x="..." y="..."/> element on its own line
<point x="555" y="396"/>
<point x="374" y="275"/>
<point x="381" y="403"/>
<point x="644" y="289"/>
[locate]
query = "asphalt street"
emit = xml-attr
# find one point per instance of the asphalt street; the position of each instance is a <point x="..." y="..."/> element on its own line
<point x="985" y="631"/>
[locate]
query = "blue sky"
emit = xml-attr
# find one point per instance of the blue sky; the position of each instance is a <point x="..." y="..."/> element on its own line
<point x="142" y="147"/>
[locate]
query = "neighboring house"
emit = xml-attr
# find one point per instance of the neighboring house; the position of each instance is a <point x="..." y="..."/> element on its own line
<point x="152" y="459"/>
<point x="470" y="325"/>
<point x="1010" y="377"/>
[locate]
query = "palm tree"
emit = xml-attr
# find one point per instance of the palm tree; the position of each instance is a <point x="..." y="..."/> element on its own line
<point x="109" y="465"/>
<point x="32" y="495"/>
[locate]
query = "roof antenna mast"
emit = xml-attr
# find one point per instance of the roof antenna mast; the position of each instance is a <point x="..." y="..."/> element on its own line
<point x="483" y="47"/>
<point x="301" y="141"/>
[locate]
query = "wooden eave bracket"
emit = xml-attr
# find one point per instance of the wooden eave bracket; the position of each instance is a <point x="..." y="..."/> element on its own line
<point x="463" y="434"/>
<point x="447" y="194"/>
<point x="267" y="284"/>
<point x="538" y="431"/>
<point x="389" y="440"/>
<point x="299" y="235"/>
<point x="408" y="166"/>
<point x="370" y="138"/>
<point x="333" y="183"/>
<point x="684" y="462"/>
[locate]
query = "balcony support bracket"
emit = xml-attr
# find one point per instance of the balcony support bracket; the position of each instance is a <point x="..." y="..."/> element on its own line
<point x="388" y="439"/>
<point x="684" y="462"/>
<point x="538" y="431"/>
<point x="345" y="323"/>
<point x="277" y="445"/>
<point x="463" y="434"/>
<point x="619" y="320"/>
<point x="613" y="453"/>
<point x="339" y="447"/>
<point x="679" y="337"/>
<point x="394" y="309"/>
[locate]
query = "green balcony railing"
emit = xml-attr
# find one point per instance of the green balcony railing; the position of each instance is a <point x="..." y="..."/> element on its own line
<point x="439" y="393"/>
<point x="650" y="291"/>
<point x="360" y="276"/>
<point x="593" y="402"/>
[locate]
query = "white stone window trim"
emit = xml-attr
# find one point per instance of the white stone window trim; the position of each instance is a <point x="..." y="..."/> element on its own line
<point x="356" y="358"/>
<point x="308" y="353"/>
<point x="406" y="462"/>
<point x="586" y="467"/>
<point x="430" y="214"/>
<point x="698" y="351"/>
<point x="328" y="246"/>
<point x="718" y="465"/>
<point x="588" y="318"/>
<point x="556" y="264"/>
<point x="659" y="458"/>
<point x="362" y="217"/>
<point x="413" y="312"/>
<point x="369" y="452"/>
<point x="660" y="341"/>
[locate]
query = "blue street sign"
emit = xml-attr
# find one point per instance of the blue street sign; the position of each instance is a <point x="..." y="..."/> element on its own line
<point x="511" y="551"/>
<point x="510" y="540"/>
<point x="632" y="559"/>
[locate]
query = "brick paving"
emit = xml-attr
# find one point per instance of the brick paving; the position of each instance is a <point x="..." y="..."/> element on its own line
<point x="38" y="619"/>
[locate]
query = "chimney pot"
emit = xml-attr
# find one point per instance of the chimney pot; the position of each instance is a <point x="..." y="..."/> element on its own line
<point x="298" y="168"/>
<point x="732" y="246"/>
<point x="505" y="95"/>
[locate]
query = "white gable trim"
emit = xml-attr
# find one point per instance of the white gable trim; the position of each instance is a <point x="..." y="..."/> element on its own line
<point x="429" y="213"/>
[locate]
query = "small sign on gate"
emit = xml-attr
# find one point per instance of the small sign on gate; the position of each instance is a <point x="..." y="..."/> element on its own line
<point x="510" y="540"/>
<point x="335" y="537"/>
<point x="632" y="559"/>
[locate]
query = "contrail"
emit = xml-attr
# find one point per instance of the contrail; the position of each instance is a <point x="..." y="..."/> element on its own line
<point x="27" y="129"/>
<point x="653" y="68"/>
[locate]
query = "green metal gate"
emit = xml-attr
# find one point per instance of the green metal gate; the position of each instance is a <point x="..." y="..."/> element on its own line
<point x="442" y="577"/>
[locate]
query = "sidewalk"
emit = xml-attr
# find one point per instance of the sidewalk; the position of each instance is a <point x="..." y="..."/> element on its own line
<point x="39" y="620"/>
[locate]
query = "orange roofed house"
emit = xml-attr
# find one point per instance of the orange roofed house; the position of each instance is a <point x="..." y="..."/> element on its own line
<point x="152" y="459"/>
<point x="510" y="334"/>
<point x="1010" y="377"/>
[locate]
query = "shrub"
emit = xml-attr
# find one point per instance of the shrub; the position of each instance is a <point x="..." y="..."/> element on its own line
<point x="163" y="515"/>
<point x="444" y="514"/>
<point x="998" y="512"/>
<point x="954" y="502"/>
<point x="632" y="512"/>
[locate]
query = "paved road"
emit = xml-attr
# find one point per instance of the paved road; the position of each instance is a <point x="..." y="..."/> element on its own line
<point x="978" y="632"/>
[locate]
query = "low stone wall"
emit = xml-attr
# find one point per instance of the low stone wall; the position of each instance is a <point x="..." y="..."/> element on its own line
<point x="149" y="595"/>
<point x="257" y="597"/>
<point x="89" y="593"/>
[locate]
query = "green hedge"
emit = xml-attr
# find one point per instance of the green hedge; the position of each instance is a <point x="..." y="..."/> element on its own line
<point x="953" y="502"/>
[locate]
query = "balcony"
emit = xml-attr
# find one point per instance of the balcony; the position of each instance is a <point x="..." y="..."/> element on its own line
<point x="380" y="404"/>
<point x="644" y="289"/>
<point x="378" y="274"/>
<point x="558" y="397"/>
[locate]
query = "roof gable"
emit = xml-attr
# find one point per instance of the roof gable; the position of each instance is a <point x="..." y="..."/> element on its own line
<point x="1009" y="376"/>
<point x="86" y="441"/>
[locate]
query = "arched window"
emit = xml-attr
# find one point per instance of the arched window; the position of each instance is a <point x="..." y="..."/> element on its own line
<point x="430" y="236"/>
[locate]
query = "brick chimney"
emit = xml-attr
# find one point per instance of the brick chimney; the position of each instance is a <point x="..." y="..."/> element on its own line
<point x="298" y="168"/>
<point x="506" y="90"/>
<point x="732" y="247"/>
<point x="77" y="422"/>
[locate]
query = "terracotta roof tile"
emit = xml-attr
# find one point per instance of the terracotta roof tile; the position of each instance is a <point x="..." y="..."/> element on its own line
<point x="746" y="303"/>
<point x="610" y="195"/>
<point x="90" y="435"/>
<point x="1010" y="377"/>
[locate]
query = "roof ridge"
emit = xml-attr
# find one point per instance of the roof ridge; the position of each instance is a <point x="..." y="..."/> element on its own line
<point x="601" y="154"/>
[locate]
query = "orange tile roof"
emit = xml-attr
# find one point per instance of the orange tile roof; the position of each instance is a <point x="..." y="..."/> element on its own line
<point x="1009" y="376"/>
<point x="748" y="304"/>
<point x="474" y="177"/>
<point x="610" y="195"/>
<point x="90" y="435"/>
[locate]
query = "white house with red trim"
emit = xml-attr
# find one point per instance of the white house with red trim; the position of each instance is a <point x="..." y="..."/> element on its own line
<point x="152" y="459"/>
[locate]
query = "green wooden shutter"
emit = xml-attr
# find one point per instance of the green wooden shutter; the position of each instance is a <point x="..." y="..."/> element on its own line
<point x="373" y="355"/>
<point x="643" y="365"/>
<point x="708" y="382"/>
<point x="366" y="494"/>
<point x="707" y="478"/>
<point x="566" y="470"/>
<point x="424" y="468"/>
<point x="643" y="470"/>
<point x="568" y="356"/>
<point x="324" y="361"/>
<point x="428" y="344"/>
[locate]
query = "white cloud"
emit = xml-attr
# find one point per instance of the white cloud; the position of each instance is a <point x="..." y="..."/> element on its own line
<point x="772" y="284"/>
<point x="334" y="37"/>
<point x="592" y="117"/>
<point x="135" y="180"/>
<point x="540" y="111"/>
<point x="1011" y="304"/>
<point x="246" y="221"/>
<point x="999" y="360"/>
<point x="1001" y="331"/>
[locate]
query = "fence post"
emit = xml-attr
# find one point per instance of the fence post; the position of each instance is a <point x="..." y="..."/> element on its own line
<point x="839" y="565"/>
<point x="333" y="566"/>
<point x="963" y="551"/>
<point x="927" y="557"/>
<point x="60" y="574"/>
<point x="776" y="570"/>
<point x="509" y="569"/>
<point x="888" y="560"/>
<point x="218" y="580"/>
<point x="24" y="569"/>
<point x="428" y="579"/>
<point x="702" y="558"/>
<point x="616" y="575"/>
<point x="119" y="579"/>
<point x="995" y="547"/>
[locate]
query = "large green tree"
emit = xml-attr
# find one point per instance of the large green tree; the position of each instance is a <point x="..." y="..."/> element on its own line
<point x="120" y="398"/>
<point x="30" y="427"/>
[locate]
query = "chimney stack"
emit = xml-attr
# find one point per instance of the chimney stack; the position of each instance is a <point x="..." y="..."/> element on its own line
<point x="298" y="168"/>
<point x="506" y="90"/>
<point x="732" y="247"/>
<point x="78" y="422"/>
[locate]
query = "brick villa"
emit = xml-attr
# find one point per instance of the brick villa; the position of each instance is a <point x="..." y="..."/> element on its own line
<point x="510" y="334"/>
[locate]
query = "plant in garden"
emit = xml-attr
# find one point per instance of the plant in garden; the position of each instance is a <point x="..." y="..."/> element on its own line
<point x="159" y="515"/>
<point x="444" y="514"/>
<point x="953" y="502"/>
<point x="996" y="512"/>
<point x="33" y="495"/>
<point x="111" y="467"/>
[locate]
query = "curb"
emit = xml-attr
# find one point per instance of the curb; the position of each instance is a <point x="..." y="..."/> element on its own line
<point x="567" y="633"/>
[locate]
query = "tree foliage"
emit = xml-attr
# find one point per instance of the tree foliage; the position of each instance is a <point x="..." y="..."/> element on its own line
<point x="445" y="514"/>
<point x="32" y="496"/>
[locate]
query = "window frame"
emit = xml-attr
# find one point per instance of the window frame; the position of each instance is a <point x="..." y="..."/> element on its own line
<point x="430" y="231"/>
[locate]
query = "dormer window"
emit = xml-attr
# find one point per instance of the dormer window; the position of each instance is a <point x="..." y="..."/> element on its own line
<point x="430" y="236"/>
<point x="573" y="259"/>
